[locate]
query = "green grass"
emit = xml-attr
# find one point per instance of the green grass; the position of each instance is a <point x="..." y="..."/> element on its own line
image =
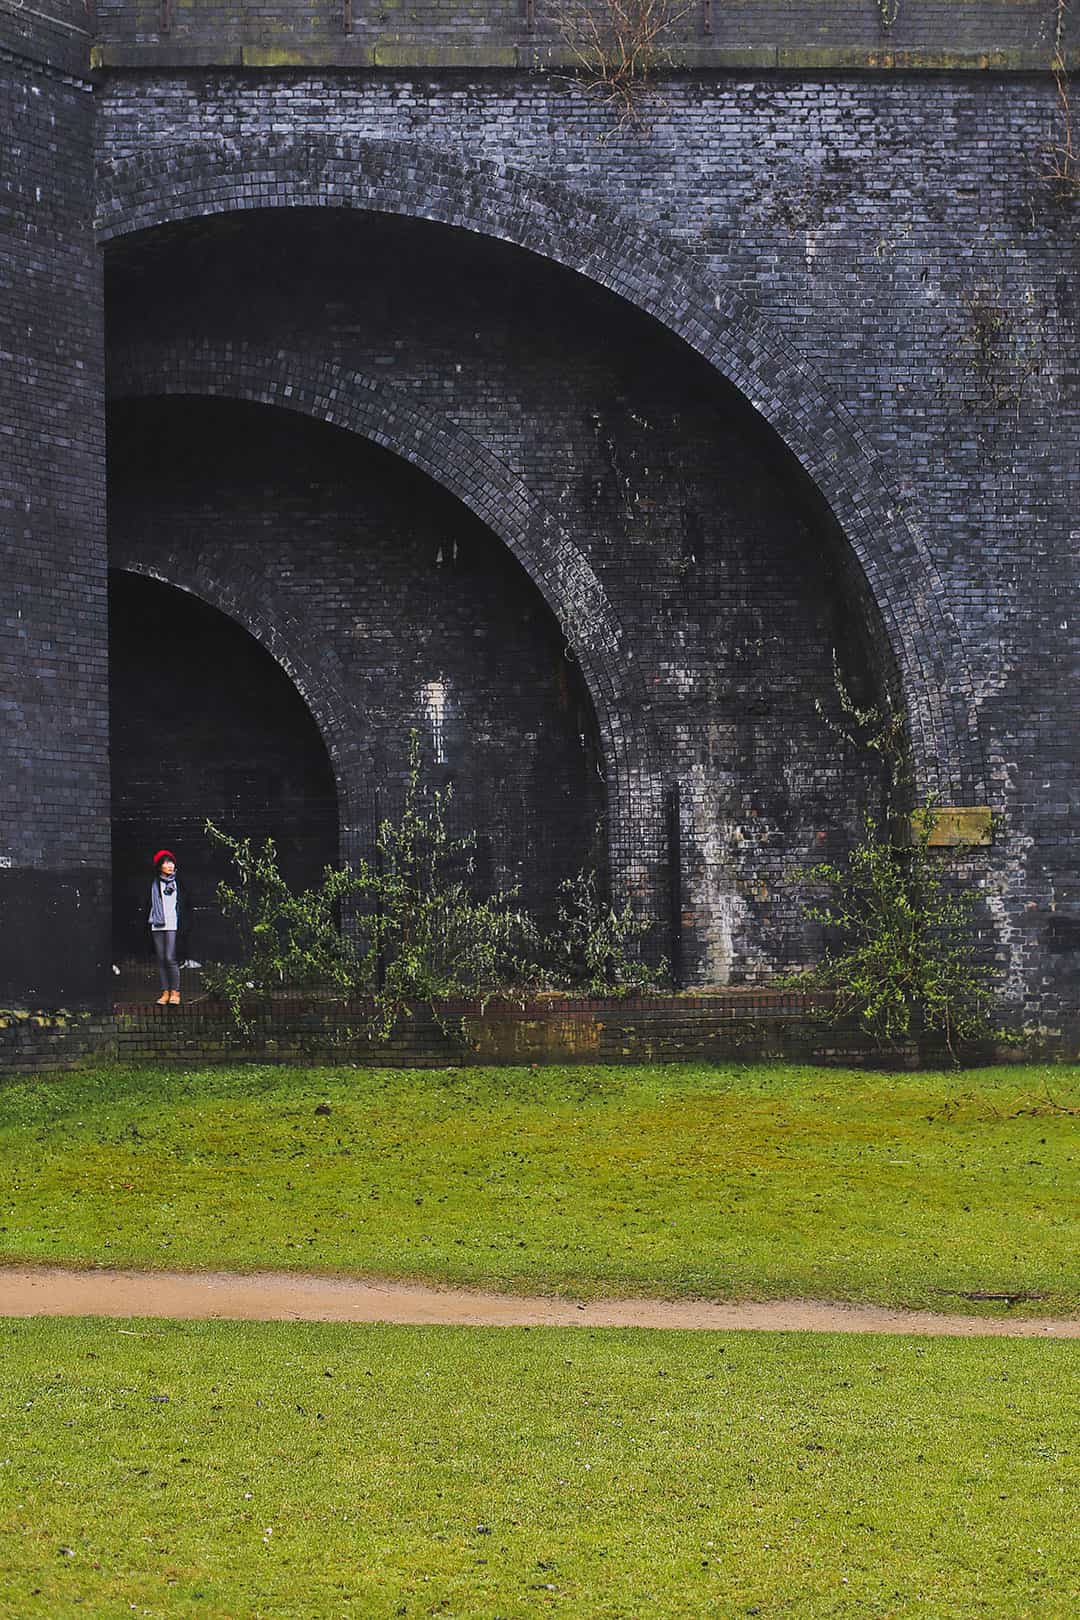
<point x="723" y="1181"/>
<point x="222" y="1470"/>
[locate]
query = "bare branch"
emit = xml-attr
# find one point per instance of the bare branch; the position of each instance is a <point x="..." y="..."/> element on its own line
<point x="616" y="44"/>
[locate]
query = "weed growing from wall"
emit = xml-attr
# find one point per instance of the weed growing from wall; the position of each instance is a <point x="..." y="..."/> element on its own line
<point x="594" y="948"/>
<point x="1060" y="168"/>
<point x="618" y="46"/>
<point x="1001" y="346"/>
<point x="431" y="938"/>
<point x="876" y="728"/>
<point x="286" y="940"/>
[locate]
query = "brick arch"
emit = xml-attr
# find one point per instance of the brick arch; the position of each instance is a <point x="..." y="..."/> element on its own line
<point x="459" y="463"/>
<point x="637" y="263"/>
<point x="282" y="639"/>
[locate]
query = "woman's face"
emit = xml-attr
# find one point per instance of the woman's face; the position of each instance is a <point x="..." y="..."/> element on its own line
<point x="168" y="868"/>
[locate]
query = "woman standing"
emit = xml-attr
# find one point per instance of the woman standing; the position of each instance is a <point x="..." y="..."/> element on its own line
<point x="165" y="924"/>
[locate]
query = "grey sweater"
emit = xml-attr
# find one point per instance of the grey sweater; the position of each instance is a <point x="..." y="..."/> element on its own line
<point x="156" y="918"/>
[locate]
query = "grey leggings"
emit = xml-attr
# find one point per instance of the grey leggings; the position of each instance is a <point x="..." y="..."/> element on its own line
<point x="165" y="946"/>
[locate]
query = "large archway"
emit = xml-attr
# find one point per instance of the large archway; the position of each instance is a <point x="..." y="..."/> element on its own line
<point x="658" y="277"/>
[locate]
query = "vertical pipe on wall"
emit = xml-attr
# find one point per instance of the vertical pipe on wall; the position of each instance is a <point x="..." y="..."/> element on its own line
<point x="674" y="837"/>
<point x="346" y="17"/>
<point x="165" y="20"/>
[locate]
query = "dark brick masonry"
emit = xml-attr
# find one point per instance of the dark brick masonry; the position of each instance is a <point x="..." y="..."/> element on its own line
<point x="721" y="1026"/>
<point x="520" y="32"/>
<point x="731" y="1025"/>
<point x="788" y="366"/>
<point x="204" y="724"/>
<point x="54" y="783"/>
<point x="647" y="496"/>
<point x="653" y="274"/>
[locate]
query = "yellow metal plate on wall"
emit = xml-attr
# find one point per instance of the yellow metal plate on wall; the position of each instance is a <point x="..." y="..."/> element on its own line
<point x="953" y="825"/>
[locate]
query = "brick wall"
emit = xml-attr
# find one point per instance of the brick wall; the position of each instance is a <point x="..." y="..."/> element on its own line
<point x="56" y="34"/>
<point x="869" y="257"/>
<point x="34" y="1042"/>
<point x="741" y="1026"/>
<point x="732" y="1025"/>
<point x="866" y="221"/>
<point x="54" y="834"/>
<point x="736" y="1025"/>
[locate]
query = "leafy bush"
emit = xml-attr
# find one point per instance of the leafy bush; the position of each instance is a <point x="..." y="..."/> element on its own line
<point x="416" y="931"/>
<point x="286" y="939"/>
<point x="592" y="949"/>
<point x="431" y="938"/>
<point x="904" y="964"/>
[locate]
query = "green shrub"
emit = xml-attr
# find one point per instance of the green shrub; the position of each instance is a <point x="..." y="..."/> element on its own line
<point x="431" y="938"/>
<point x="904" y="962"/>
<point x="594" y="947"/>
<point x="286" y="939"/>
<point x="415" y="931"/>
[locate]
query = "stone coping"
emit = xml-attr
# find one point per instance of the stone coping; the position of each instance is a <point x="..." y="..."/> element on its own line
<point x="394" y="53"/>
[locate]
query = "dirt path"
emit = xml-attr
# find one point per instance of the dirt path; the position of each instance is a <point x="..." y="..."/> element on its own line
<point x="280" y="1297"/>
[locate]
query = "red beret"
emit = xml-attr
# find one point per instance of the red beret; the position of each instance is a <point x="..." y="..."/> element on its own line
<point x="163" y="855"/>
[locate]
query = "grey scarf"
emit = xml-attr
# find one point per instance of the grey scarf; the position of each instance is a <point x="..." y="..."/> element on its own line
<point x="157" y="907"/>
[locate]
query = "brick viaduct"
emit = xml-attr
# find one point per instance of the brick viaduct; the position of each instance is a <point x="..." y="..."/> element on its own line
<point x="637" y="441"/>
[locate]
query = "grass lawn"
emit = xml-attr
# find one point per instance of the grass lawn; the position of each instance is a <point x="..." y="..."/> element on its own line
<point x="239" y="1469"/>
<point x="735" y="1181"/>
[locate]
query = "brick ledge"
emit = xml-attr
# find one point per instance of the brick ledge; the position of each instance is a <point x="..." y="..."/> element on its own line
<point x="397" y="54"/>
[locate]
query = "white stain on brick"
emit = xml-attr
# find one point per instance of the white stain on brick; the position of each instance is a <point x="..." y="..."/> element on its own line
<point x="433" y="702"/>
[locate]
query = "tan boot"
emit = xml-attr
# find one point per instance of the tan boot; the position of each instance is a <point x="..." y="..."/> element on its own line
<point x="164" y="998"/>
<point x="174" y="997"/>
